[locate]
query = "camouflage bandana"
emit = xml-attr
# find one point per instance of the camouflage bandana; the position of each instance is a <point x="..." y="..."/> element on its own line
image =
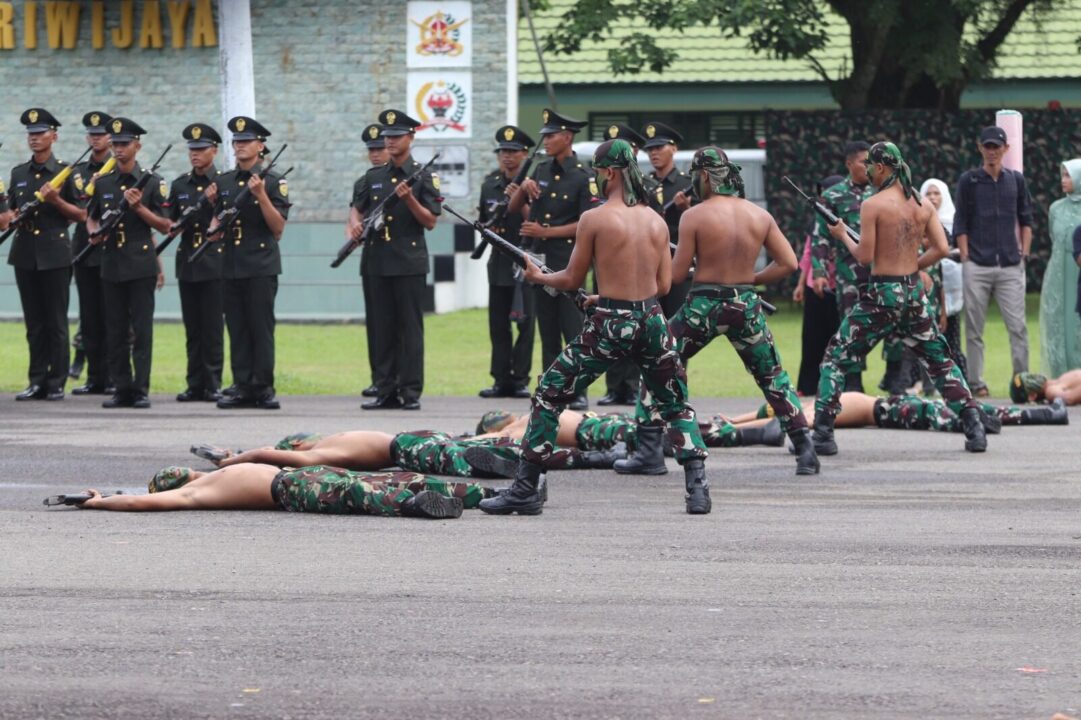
<point x="617" y="154"/>
<point x="494" y="421"/>
<point x="890" y="155"/>
<point x="724" y="177"/>
<point x="1026" y="384"/>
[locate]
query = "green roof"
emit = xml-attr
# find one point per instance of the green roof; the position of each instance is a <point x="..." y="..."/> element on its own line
<point x="1037" y="48"/>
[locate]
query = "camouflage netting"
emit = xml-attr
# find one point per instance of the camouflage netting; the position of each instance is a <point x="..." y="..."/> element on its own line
<point x="807" y="146"/>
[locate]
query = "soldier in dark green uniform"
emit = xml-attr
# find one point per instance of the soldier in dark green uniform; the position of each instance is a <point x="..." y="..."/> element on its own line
<point x="672" y="195"/>
<point x="396" y="263"/>
<point x="200" y="281"/>
<point x="129" y="267"/>
<point x="41" y="255"/>
<point x="377" y="155"/>
<point x="621" y="380"/>
<point x="251" y="264"/>
<point x="561" y="189"/>
<point x="845" y="198"/>
<point x="510" y="302"/>
<point x="88" y="272"/>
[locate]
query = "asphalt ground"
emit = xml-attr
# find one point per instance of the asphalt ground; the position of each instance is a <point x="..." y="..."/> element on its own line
<point x="909" y="580"/>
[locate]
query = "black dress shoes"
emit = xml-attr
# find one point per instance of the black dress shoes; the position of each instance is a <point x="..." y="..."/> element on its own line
<point x="387" y="402"/>
<point x="141" y="401"/>
<point x="119" y="400"/>
<point x="609" y="399"/>
<point x="55" y="395"/>
<point x="579" y="403"/>
<point x="267" y="401"/>
<point x="239" y="400"/>
<point x="229" y="391"/>
<point x="190" y="395"/>
<point x="497" y="391"/>
<point x="89" y="389"/>
<point x="413" y="404"/>
<point x="370" y="391"/>
<point x="521" y="391"/>
<point x="34" y="392"/>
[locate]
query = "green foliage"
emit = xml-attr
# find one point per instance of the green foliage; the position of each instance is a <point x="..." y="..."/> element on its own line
<point x="905" y="53"/>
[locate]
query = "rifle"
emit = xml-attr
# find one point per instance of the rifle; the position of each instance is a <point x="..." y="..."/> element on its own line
<point x="111" y="219"/>
<point x="105" y="170"/>
<point x="500" y="208"/>
<point x="76" y="499"/>
<point x="28" y="207"/>
<point x="373" y="221"/>
<point x="519" y="256"/>
<point x="223" y="217"/>
<point x="819" y="207"/>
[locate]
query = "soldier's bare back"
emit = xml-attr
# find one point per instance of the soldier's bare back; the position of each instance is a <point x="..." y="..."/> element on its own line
<point x="630" y="250"/>
<point x="894" y="227"/>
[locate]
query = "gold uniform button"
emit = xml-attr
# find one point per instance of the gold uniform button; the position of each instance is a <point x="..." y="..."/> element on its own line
<point x="37" y="232"/>
<point x="123" y="187"/>
<point x="236" y="242"/>
<point x="547" y="215"/>
<point x="199" y="188"/>
<point x="146" y="247"/>
<point x="389" y="218"/>
<point x="256" y="202"/>
<point x="262" y="245"/>
<point x="241" y="183"/>
<point x="556" y="177"/>
<point x="553" y="194"/>
<point x="394" y="180"/>
<point x="569" y="241"/>
<point x="566" y="197"/>
<point x="121" y="226"/>
<point x="414" y="244"/>
<point x="38" y="175"/>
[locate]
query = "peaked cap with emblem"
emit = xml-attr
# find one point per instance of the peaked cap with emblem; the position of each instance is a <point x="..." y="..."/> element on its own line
<point x="125" y="130"/>
<point x="39" y="120"/>
<point x="658" y="134"/>
<point x="619" y="131"/>
<point x="373" y="137"/>
<point x="554" y="122"/>
<point x="201" y="135"/>
<point x="510" y="137"/>
<point x="396" y="123"/>
<point x="96" y="122"/>
<point x="246" y="128"/>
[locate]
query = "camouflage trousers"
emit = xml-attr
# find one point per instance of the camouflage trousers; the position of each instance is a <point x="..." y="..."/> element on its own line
<point x="601" y="432"/>
<point x="887" y="307"/>
<point x="294" y="441"/>
<point x="323" y="489"/>
<point x="909" y="412"/>
<point x="735" y="311"/>
<point x="607" y="336"/>
<point x="430" y="451"/>
<point x="848" y="294"/>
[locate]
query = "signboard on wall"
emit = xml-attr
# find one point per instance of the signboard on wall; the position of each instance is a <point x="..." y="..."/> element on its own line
<point x="442" y="100"/>
<point x="452" y="167"/>
<point x="439" y="34"/>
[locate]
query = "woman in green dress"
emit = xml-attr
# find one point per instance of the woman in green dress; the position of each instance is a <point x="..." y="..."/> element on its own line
<point x="1060" y="326"/>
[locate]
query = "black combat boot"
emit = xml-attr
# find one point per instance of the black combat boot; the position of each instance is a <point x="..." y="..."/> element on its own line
<point x="893" y="380"/>
<point x="975" y="437"/>
<point x="593" y="459"/>
<point x="648" y="459"/>
<point x="487" y="463"/>
<point x="854" y="382"/>
<point x="522" y="497"/>
<point x="1054" y="415"/>
<point x="428" y="504"/>
<point x="992" y="425"/>
<point x="698" y="502"/>
<point x="806" y="457"/>
<point x="768" y="434"/>
<point x="822" y="437"/>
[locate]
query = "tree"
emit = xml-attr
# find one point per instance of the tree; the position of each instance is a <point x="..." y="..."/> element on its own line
<point x="905" y="53"/>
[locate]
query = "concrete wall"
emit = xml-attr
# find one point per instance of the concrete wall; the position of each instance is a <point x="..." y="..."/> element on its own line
<point x="323" y="70"/>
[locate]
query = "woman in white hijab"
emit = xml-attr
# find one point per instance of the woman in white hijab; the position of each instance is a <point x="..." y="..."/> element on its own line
<point x="948" y="287"/>
<point x="1060" y="328"/>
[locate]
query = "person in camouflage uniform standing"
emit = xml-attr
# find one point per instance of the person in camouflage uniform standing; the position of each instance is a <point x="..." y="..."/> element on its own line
<point x="725" y="233"/>
<point x="846" y="198"/>
<point x="318" y="489"/>
<point x="632" y="265"/>
<point x="894" y="223"/>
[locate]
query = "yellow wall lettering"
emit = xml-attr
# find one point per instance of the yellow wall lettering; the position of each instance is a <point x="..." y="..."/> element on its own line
<point x="204" y="33"/>
<point x="97" y="24"/>
<point x="30" y="25"/>
<point x="7" y="26"/>
<point x="125" y="33"/>
<point x="62" y="24"/>
<point x="150" y="34"/>
<point x="178" y="18"/>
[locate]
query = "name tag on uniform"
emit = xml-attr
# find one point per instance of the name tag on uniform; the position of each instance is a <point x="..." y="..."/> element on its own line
<point x="106" y="196"/>
<point x="542" y="183"/>
<point x="376" y="186"/>
<point x="20" y="184"/>
<point x="182" y="197"/>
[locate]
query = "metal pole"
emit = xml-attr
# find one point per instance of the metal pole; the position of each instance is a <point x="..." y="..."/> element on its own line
<point x="236" y="66"/>
<point x="540" y="56"/>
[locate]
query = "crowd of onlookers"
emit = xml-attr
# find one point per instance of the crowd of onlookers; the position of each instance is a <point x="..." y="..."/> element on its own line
<point x="988" y="219"/>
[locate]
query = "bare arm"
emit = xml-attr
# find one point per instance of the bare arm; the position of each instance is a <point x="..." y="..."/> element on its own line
<point x="864" y="251"/>
<point x="783" y="258"/>
<point x="937" y="245"/>
<point x="664" y="267"/>
<point x="685" y="249"/>
<point x="581" y="258"/>
<point x="1026" y="240"/>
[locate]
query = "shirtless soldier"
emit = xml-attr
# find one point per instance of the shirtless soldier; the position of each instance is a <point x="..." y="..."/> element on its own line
<point x="893" y="222"/>
<point x="627" y="242"/>
<point x="724" y="234"/>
